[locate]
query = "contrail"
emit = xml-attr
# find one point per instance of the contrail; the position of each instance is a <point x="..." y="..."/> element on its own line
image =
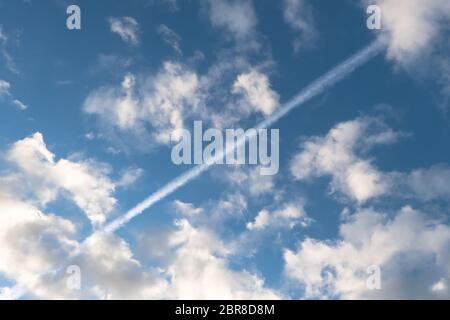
<point x="318" y="86"/>
<point x="326" y="81"/>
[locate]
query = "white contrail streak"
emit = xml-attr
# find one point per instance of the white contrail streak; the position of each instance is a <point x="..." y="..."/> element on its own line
<point x="321" y="84"/>
<point x="157" y="196"/>
<point x="315" y="88"/>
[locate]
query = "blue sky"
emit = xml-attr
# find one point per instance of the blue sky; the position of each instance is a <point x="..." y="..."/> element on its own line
<point x="86" y="117"/>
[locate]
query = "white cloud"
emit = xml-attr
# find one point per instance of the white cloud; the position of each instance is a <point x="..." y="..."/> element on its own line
<point x="10" y="63"/>
<point x="121" y="101"/>
<point x="231" y="204"/>
<point x="114" y="273"/>
<point x="199" y="269"/>
<point x="431" y="183"/>
<point x="290" y="215"/>
<point x="161" y="101"/>
<point x="148" y="108"/>
<point x="4" y="88"/>
<point x="298" y="15"/>
<point x="238" y="18"/>
<point x="129" y="176"/>
<point x="85" y="182"/>
<point x="5" y="92"/>
<point x="340" y="155"/>
<point x="19" y="105"/>
<point x="90" y="136"/>
<point x="186" y="209"/>
<point x="413" y="26"/>
<point x="214" y="213"/>
<point x="411" y="250"/>
<point x="171" y="38"/>
<point x="127" y="28"/>
<point x="249" y="180"/>
<point x="31" y="242"/>
<point x="245" y="81"/>
<point x="439" y="286"/>
<point x="337" y="155"/>
<point x="257" y="92"/>
<point x="262" y="220"/>
<point x="195" y="266"/>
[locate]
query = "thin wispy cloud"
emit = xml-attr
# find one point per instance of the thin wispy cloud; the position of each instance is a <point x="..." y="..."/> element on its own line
<point x="298" y="14"/>
<point x="5" y="93"/>
<point x="171" y="38"/>
<point x="3" y="36"/>
<point x="127" y="28"/>
<point x="10" y="63"/>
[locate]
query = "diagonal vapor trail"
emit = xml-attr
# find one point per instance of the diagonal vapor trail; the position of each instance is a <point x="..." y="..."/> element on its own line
<point x="328" y="80"/>
<point x="321" y="84"/>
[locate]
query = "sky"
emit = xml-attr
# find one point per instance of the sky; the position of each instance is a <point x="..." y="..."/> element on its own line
<point x="359" y="208"/>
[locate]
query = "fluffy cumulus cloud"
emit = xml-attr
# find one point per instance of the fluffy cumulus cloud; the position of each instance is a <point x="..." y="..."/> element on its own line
<point x="410" y="249"/>
<point x="413" y="26"/>
<point x="149" y="108"/>
<point x="195" y="264"/>
<point x="32" y="242"/>
<point x="127" y="28"/>
<point x="290" y="215"/>
<point x="112" y="272"/>
<point x="37" y="247"/>
<point x="256" y="92"/>
<point x="43" y="243"/>
<point x="107" y="267"/>
<point x="339" y="155"/>
<point x="161" y="101"/>
<point x="199" y="269"/>
<point x="299" y="16"/>
<point x="35" y="244"/>
<point x="44" y="178"/>
<point x="235" y="89"/>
